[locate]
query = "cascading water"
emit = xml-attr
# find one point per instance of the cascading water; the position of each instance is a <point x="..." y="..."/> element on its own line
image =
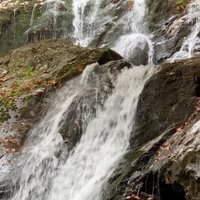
<point x="135" y="35"/>
<point x="104" y="142"/>
<point x="193" y="40"/>
<point x="85" y="22"/>
<point x="90" y="18"/>
<point x="39" y="161"/>
<point x="14" y="24"/>
<point x="45" y="174"/>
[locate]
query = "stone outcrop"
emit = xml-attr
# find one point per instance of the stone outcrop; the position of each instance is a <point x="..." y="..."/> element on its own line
<point x="168" y="21"/>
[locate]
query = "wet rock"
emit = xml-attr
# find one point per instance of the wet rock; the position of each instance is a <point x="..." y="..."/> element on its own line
<point x="168" y="20"/>
<point x="170" y="38"/>
<point x="140" y="54"/>
<point x="168" y="97"/>
<point x="44" y="26"/>
<point x="98" y="86"/>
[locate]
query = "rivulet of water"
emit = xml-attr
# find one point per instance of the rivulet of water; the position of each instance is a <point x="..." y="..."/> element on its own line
<point x="33" y="14"/>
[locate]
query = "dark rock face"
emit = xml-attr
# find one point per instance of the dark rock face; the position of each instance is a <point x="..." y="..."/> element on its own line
<point x="169" y="97"/>
<point x="159" y="12"/>
<point x="163" y="158"/>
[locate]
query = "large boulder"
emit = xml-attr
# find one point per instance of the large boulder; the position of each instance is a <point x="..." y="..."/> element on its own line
<point x="169" y="97"/>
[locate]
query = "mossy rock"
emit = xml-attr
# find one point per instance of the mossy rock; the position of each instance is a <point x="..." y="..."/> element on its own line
<point x="44" y="64"/>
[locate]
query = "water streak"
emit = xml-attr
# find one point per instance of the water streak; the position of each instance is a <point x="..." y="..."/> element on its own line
<point x="38" y="161"/>
<point x="33" y="14"/>
<point x="14" y="24"/>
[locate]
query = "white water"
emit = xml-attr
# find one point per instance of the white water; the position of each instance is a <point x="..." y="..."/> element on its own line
<point x="89" y="18"/>
<point x="45" y="176"/>
<point x="135" y="34"/>
<point x="33" y="14"/>
<point x="193" y="40"/>
<point x="85" y="23"/>
<point x="38" y="160"/>
<point x="127" y="45"/>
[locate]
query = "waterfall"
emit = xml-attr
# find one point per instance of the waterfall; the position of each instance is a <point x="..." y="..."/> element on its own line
<point x="90" y="18"/>
<point x="47" y="169"/>
<point x="85" y="22"/>
<point x="49" y="172"/>
<point x="135" y="35"/>
<point x="38" y="161"/>
<point x="192" y="41"/>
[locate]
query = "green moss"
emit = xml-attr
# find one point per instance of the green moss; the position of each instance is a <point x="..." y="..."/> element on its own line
<point x="25" y="73"/>
<point x="38" y="13"/>
<point x="8" y="102"/>
<point x="180" y="2"/>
